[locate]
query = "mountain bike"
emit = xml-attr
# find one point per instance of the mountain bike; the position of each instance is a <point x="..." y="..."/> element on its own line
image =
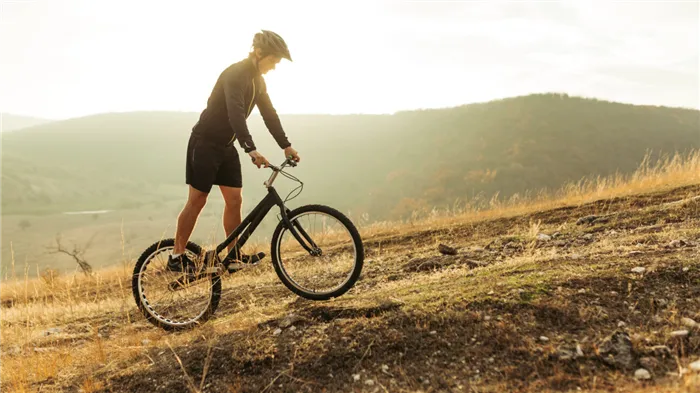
<point x="316" y="252"/>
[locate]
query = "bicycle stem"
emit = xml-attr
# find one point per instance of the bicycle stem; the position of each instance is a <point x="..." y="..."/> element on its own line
<point x="275" y="171"/>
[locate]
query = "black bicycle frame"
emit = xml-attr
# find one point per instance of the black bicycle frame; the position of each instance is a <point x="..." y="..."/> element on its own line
<point x="253" y="219"/>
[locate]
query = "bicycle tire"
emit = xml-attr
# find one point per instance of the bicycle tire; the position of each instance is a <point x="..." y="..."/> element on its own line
<point x="359" y="255"/>
<point x="139" y="297"/>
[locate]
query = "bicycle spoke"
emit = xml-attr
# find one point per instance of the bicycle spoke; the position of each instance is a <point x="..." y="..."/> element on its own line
<point x="332" y="268"/>
<point x="174" y="306"/>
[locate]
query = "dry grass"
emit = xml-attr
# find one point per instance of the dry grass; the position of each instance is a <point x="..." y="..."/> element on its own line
<point x="667" y="173"/>
<point x="102" y="342"/>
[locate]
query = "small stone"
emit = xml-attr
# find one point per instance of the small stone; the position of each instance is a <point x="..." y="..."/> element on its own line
<point x="487" y="318"/>
<point x="564" y="354"/>
<point x="614" y="293"/>
<point x="490" y="293"/>
<point x="621" y="324"/>
<point x="582" y="290"/>
<point x="695" y="366"/>
<point x="639" y="269"/>
<point x="433" y="332"/>
<point x="369" y="382"/>
<point x="277" y="332"/>
<point x="491" y="360"/>
<point x="356" y="377"/>
<point x="642" y="374"/>
<point x="289" y="320"/>
<point x="575" y="256"/>
<point x="385" y="368"/>
<point x="588" y="236"/>
<point x="586" y="220"/>
<point x="617" y="351"/>
<point x="145" y="341"/>
<point x="543" y="237"/>
<point x="292" y="328"/>
<point x="679" y="333"/>
<point x="51" y="331"/>
<point x="689" y="323"/>
<point x="612" y="232"/>
<point x="447" y="250"/>
<point x="544" y="339"/>
<point x="685" y="269"/>
<point x="677" y="243"/>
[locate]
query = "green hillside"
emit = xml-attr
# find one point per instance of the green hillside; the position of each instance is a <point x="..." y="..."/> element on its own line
<point x="131" y="165"/>
<point x="360" y="162"/>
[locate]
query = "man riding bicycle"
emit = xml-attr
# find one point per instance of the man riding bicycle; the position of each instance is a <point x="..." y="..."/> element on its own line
<point x="211" y="155"/>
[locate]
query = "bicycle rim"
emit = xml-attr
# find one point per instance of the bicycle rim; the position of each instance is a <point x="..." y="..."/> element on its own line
<point x="177" y="308"/>
<point x="319" y="275"/>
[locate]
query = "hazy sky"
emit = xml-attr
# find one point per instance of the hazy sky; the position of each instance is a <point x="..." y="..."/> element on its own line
<point x="68" y="58"/>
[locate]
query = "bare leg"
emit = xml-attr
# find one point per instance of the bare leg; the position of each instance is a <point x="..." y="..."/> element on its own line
<point x="233" y="198"/>
<point x="188" y="218"/>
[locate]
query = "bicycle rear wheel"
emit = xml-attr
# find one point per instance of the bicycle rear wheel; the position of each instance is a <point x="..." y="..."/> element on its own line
<point x="174" y="300"/>
<point x="334" y="265"/>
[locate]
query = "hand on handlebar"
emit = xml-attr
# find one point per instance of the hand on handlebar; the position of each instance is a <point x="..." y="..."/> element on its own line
<point x="291" y="154"/>
<point x="258" y="159"/>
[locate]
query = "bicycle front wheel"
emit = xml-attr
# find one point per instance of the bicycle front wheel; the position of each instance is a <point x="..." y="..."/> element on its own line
<point x="335" y="263"/>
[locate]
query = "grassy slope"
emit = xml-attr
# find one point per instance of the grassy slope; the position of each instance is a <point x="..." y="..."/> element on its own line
<point x="416" y="321"/>
<point x="359" y="162"/>
<point x="390" y="166"/>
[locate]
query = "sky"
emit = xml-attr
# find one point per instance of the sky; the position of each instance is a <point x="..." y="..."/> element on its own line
<point x="68" y="58"/>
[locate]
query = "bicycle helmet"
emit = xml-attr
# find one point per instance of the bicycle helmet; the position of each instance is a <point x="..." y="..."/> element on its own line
<point x="271" y="44"/>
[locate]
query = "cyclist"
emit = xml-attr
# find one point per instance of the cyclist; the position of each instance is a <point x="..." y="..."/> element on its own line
<point x="211" y="155"/>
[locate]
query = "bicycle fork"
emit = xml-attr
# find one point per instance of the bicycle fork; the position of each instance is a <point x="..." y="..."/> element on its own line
<point x="296" y="229"/>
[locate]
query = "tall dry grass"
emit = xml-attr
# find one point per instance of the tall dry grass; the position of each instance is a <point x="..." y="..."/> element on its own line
<point x="670" y="171"/>
<point x="667" y="173"/>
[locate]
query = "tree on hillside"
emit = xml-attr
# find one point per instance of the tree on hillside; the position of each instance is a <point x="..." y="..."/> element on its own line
<point x="77" y="253"/>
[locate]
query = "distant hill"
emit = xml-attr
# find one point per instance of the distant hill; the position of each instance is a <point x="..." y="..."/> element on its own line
<point x="385" y="165"/>
<point x="12" y="122"/>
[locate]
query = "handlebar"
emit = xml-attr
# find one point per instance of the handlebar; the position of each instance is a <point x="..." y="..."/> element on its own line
<point x="287" y="162"/>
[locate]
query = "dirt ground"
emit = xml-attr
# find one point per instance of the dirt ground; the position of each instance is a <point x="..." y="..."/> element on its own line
<point x="599" y="297"/>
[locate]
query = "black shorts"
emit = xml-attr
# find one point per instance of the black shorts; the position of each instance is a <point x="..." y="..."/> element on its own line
<point x="210" y="163"/>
